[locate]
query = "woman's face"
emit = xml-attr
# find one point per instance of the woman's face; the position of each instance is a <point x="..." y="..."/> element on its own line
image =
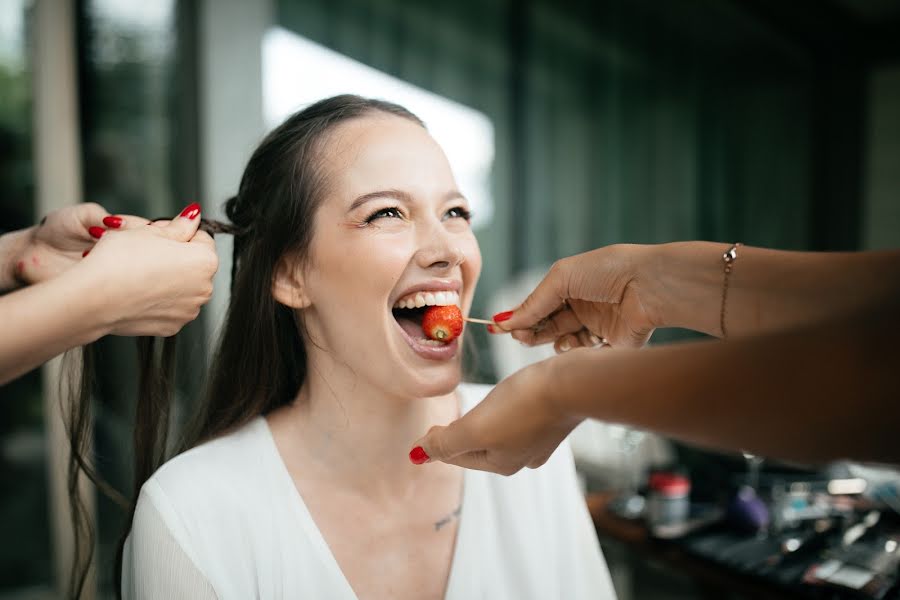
<point x="392" y="226"/>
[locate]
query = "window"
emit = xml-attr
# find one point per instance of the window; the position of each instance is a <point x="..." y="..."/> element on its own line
<point x="298" y="72"/>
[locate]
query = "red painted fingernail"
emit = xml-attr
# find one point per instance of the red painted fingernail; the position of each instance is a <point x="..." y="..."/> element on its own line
<point x="112" y="222"/>
<point x="417" y="455"/>
<point x="96" y="232"/>
<point x="85" y="253"/>
<point x="491" y="329"/>
<point x="504" y="316"/>
<point x="191" y="211"/>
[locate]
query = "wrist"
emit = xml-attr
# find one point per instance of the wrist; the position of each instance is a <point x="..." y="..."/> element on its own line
<point x="94" y="296"/>
<point x="687" y="284"/>
<point x="646" y="268"/>
<point x="550" y="384"/>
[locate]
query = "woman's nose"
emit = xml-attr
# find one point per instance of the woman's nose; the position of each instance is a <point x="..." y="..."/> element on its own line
<point x="456" y="259"/>
<point x="440" y="252"/>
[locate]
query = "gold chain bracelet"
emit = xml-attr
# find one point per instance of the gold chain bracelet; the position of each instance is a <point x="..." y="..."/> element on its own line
<point x="729" y="259"/>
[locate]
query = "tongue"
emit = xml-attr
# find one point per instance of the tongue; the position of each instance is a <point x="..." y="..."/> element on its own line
<point x="412" y="327"/>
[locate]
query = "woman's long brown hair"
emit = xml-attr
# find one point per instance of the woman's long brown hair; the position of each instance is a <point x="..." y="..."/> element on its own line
<point x="260" y="362"/>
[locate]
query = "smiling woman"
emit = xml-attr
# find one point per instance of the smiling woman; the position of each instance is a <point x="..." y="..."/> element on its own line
<point x="297" y="483"/>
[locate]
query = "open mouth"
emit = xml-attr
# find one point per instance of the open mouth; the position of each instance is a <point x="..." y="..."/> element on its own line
<point x="410" y="321"/>
<point x="409" y="312"/>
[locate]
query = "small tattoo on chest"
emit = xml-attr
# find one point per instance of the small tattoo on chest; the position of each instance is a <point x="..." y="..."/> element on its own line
<point x="446" y="520"/>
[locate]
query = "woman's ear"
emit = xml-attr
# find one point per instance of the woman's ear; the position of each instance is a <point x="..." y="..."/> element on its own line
<point x="288" y="285"/>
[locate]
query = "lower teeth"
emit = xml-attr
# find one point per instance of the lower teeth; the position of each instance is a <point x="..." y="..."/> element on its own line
<point x="427" y="342"/>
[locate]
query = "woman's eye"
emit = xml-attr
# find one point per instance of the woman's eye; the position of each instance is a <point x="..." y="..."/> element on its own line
<point x="459" y="213"/>
<point x="385" y="213"/>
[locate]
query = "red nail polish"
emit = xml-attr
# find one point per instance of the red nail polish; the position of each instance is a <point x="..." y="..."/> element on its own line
<point x="491" y="329"/>
<point x="85" y="253"/>
<point x="504" y="316"/>
<point x="112" y="222"/>
<point x="96" y="232"/>
<point x="417" y="455"/>
<point x="191" y="211"/>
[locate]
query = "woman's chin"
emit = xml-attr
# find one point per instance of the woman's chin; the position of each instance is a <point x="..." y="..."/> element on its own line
<point x="436" y="381"/>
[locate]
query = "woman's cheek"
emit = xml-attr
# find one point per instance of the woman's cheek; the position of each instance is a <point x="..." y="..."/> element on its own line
<point x="473" y="257"/>
<point x="391" y="254"/>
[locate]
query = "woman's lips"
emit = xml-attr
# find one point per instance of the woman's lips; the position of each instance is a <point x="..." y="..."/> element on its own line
<point x="427" y="350"/>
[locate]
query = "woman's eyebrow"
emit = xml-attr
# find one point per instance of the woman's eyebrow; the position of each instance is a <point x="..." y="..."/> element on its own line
<point x="454" y="195"/>
<point x="397" y="195"/>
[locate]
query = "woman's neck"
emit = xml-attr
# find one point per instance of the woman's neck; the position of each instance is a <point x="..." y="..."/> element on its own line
<point x="355" y="434"/>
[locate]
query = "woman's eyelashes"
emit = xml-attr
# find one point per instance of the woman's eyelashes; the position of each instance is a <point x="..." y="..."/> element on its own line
<point x="395" y="212"/>
<point x="392" y="212"/>
<point x="459" y="212"/>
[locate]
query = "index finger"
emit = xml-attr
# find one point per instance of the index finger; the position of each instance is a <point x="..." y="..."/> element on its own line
<point x="558" y="324"/>
<point x="443" y="443"/>
<point x="479" y="460"/>
<point x="131" y="222"/>
<point x="547" y="297"/>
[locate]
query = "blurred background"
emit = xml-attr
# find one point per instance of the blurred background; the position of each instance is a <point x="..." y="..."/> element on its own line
<point x="570" y="124"/>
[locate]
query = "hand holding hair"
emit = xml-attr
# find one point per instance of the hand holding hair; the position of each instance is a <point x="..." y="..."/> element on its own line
<point x="46" y="250"/>
<point x="134" y="280"/>
<point x="167" y="279"/>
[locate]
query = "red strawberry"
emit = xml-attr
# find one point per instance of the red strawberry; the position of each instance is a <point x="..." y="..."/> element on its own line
<point x="442" y="323"/>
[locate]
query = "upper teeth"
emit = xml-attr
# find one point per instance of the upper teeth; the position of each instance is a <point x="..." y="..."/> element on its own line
<point x="420" y="299"/>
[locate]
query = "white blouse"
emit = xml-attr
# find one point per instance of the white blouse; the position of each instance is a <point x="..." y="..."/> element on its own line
<point x="224" y="520"/>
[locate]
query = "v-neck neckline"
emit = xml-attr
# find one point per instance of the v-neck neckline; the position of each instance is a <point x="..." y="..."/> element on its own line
<point x="306" y="521"/>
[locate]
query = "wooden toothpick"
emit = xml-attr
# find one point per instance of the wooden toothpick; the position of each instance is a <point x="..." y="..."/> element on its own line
<point x="482" y="321"/>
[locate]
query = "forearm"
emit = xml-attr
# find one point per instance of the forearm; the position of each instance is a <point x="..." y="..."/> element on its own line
<point x="769" y="290"/>
<point x="44" y="320"/>
<point x="809" y="394"/>
<point x="11" y="246"/>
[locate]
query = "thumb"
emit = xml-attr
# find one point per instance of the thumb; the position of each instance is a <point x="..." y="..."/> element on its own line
<point x="183" y="227"/>
<point x="442" y="443"/>
<point x="546" y="298"/>
<point x="90" y="214"/>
